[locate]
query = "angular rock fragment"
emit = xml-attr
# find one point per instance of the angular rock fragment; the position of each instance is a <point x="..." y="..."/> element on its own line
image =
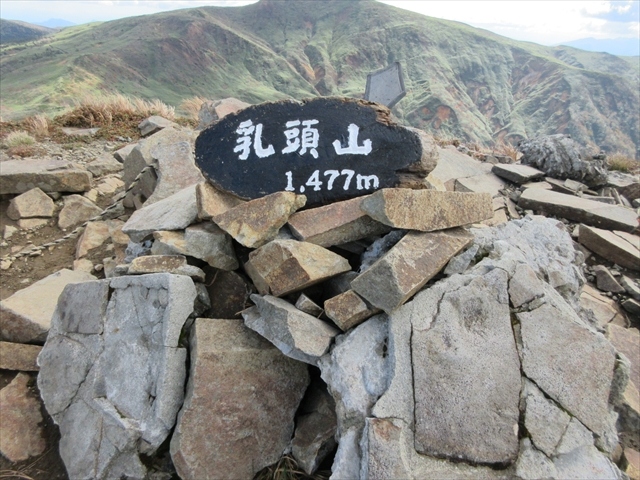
<point x="115" y="390"/>
<point x="173" y="213"/>
<point x="34" y="203"/>
<point x="242" y="395"/>
<point x="632" y="306"/>
<point x="357" y="373"/>
<point x="626" y="185"/>
<point x="176" y="170"/>
<point x="605" y="281"/>
<point x="578" y="209"/>
<point x="487" y="183"/>
<point x="453" y="165"/>
<point x="77" y="209"/>
<point x="604" y="309"/>
<point x="517" y="173"/>
<point x="307" y="305"/>
<point x="553" y="336"/>
<point x="257" y="222"/>
<point x="104" y="165"/>
<point x="204" y="241"/>
<point x="228" y="294"/>
<point x="141" y="156"/>
<point x="631" y="287"/>
<point x="297" y="334"/>
<point x="285" y="266"/>
<point x="627" y="342"/>
<point x="175" y="264"/>
<point x="24" y="320"/>
<point x="19" y="176"/>
<point x="122" y="153"/>
<point x="348" y="310"/>
<point x="214" y="110"/>
<point x="93" y="236"/>
<point x="426" y="210"/>
<point x="467" y="357"/>
<point x="315" y="430"/>
<point x="18" y="356"/>
<point x="611" y="246"/>
<point x="154" y="124"/>
<point x="559" y="157"/>
<point x="408" y="266"/>
<point x="21" y="435"/>
<point x="334" y="224"/>
<point x="213" y="202"/>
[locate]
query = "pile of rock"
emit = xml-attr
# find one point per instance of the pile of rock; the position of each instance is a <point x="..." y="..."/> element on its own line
<point x="426" y="333"/>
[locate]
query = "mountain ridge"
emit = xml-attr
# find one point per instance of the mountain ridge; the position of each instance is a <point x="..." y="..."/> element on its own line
<point x="461" y="81"/>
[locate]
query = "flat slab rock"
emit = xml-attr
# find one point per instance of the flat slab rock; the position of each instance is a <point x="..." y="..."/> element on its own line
<point x="334" y="224"/>
<point x="326" y="148"/>
<point x="257" y="222"/>
<point x="297" y="334"/>
<point x="19" y="176"/>
<point x="242" y="395"/>
<point x="25" y="321"/>
<point x="408" y="266"/>
<point x="175" y="212"/>
<point x="426" y="210"/>
<point x="617" y="247"/>
<point x="285" y="266"/>
<point x="19" y="356"/>
<point x="517" y="173"/>
<point x="577" y="209"/>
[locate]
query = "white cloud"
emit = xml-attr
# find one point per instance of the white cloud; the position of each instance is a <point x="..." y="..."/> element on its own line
<point x="547" y="23"/>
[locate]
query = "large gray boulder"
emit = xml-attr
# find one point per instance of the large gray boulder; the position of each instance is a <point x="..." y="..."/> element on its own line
<point x="466" y="365"/>
<point x="111" y="373"/>
<point x="560" y="157"/>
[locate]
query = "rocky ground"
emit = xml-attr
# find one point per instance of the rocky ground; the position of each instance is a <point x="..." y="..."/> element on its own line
<point x="582" y="269"/>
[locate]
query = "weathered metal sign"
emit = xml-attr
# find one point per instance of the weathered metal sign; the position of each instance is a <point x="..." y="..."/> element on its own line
<point x="326" y="148"/>
<point x="386" y="86"/>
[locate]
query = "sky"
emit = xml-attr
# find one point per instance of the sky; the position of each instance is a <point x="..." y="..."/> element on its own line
<point x="547" y="22"/>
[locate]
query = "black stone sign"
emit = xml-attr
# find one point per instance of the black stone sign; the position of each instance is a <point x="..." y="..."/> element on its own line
<point x="326" y="148"/>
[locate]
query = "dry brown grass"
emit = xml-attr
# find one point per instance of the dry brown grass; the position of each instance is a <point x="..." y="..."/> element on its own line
<point x="287" y="469"/>
<point x="507" y="149"/>
<point x="191" y="107"/>
<point x="622" y="163"/>
<point x="37" y="125"/>
<point x="100" y="111"/>
<point x="18" y="138"/>
<point x="446" y="141"/>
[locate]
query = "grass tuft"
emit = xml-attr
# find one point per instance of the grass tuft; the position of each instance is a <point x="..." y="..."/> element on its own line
<point x="101" y="111"/>
<point x="19" y="138"/>
<point x="37" y="125"/>
<point x="191" y="107"/>
<point x="622" y="163"/>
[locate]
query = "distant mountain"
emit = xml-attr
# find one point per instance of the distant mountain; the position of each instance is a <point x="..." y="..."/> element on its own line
<point x="56" y="23"/>
<point x="461" y="81"/>
<point x="617" y="46"/>
<point x="15" y="31"/>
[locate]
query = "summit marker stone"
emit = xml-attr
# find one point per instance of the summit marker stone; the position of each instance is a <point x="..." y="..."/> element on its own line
<point x="326" y="148"/>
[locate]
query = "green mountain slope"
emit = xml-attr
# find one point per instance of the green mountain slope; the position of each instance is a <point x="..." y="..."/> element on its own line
<point x="461" y="81"/>
<point x="14" y="31"/>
